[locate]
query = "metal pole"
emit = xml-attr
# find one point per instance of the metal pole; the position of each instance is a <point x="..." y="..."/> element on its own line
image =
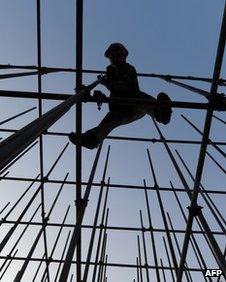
<point x="187" y="273"/>
<point x="101" y="231"/>
<point x="139" y="259"/>
<point x="209" y="141"/>
<point x="79" y="59"/>
<point x="17" y="158"/>
<point x="144" y="245"/>
<point x="21" y="235"/>
<point x="64" y="250"/>
<point x="208" y="232"/>
<point x="41" y="156"/>
<point x="17" y="115"/>
<point x="168" y="258"/>
<point x="163" y="271"/>
<point x="16" y="143"/>
<point x="76" y="231"/>
<point x="4" y="208"/>
<point x="89" y="254"/>
<point x="152" y="234"/>
<point x="221" y="120"/>
<point x="25" y="264"/>
<point x="57" y="239"/>
<point x="103" y="248"/>
<point x="194" y="243"/>
<point x="199" y="170"/>
<point x="163" y="215"/>
<point x="206" y="198"/>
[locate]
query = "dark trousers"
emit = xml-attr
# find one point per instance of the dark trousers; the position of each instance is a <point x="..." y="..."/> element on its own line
<point x="116" y="117"/>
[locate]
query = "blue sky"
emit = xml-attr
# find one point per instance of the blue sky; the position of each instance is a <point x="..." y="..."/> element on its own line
<point x="167" y="37"/>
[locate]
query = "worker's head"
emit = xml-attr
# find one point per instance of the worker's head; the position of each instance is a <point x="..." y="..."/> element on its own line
<point x="117" y="54"/>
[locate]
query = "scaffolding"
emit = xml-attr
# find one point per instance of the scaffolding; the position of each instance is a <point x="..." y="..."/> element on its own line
<point x="163" y="253"/>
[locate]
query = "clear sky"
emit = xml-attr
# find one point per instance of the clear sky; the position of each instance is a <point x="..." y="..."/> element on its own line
<point x="167" y="37"/>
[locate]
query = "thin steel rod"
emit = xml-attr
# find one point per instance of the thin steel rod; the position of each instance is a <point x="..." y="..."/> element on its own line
<point x="145" y="248"/>
<point x="190" y="88"/>
<point x="124" y="101"/>
<point x="153" y="140"/>
<point x="25" y="264"/>
<point x="11" y="260"/>
<point x="213" y="208"/>
<point x="103" y="247"/>
<point x="23" y="74"/>
<point x="41" y="155"/>
<point x="216" y="162"/>
<point x="168" y="258"/>
<point x="117" y="228"/>
<point x="61" y="259"/>
<point x="138" y="273"/>
<point x="17" y="115"/>
<point x="4" y="208"/>
<point x="17" y="202"/>
<point x="101" y="231"/>
<point x="76" y="231"/>
<point x="19" y="238"/>
<point x="194" y="243"/>
<point x="78" y="78"/>
<point x="221" y="120"/>
<point x="209" y="141"/>
<point x="118" y="186"/>
<point x="203" y="221"/>
<point x="201" y="160"/>
<point x="119" y="265"/>
<point x="105" y="269"/>
<point x="151" y="233"/>
<point x="153" y="75"/>
<point x="38" y="268"/>
<point x="172" y="252"/>
<point x="139" y="259"/>
<point x="92" y="237"/>
<point x="188" y="275"/>
<point x="57" y="239"/>
<point x="163" y="270"/>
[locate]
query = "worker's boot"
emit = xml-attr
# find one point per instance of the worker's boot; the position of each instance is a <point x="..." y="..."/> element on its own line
<point x="163" y="114"/>
<point x="87" y="140"/>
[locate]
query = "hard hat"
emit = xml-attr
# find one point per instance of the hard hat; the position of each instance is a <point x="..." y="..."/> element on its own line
<point x="114" y="46"/>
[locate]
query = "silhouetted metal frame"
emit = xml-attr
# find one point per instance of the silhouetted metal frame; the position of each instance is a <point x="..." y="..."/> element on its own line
<point x="43" y="70"/>
<point x="194" y="209"/>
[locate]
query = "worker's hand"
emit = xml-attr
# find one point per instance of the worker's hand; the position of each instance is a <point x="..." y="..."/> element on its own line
<point x="104" y="81"/>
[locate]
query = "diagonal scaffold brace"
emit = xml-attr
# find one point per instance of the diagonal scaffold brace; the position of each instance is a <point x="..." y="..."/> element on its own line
<point x="16" y="143"/>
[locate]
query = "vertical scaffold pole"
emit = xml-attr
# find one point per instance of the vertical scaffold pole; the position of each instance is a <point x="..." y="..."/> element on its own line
<point x="79" y="39"/>
<point x="41" y="157"/>
<point x="201" y="160"/>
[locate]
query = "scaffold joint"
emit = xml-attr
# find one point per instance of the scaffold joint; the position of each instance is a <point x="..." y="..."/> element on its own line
<point x="196" y="210"/>
<point x="81" y="203"/>
<point x="217" y="102"/>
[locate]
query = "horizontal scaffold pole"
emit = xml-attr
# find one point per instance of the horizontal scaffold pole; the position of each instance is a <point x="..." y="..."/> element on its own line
<point x="16" y="143"/>
<point x="46" y="70"/>
<point x="175" y="104"/>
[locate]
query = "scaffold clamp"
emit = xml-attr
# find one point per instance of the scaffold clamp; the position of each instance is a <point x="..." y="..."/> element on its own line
<point x="196" y="210"/>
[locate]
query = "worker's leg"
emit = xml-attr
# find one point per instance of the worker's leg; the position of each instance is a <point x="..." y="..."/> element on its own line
<point x="91" y="138"/>
<point x="112" y="120"/>
<point x="161" y="114"/>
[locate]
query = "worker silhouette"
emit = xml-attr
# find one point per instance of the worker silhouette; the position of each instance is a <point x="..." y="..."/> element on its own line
<point x="121" y="80"/>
